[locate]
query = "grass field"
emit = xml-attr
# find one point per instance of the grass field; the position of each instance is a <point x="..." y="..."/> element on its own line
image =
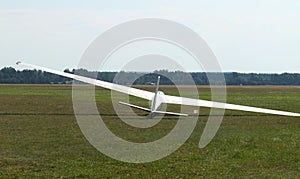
<point x="41" y="139"/>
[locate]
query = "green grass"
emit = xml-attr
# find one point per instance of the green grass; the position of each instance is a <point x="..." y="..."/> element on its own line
<point x="41" y="139"/>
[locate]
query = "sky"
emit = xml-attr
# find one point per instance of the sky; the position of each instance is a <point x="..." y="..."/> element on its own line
<point x="260" y="36"/>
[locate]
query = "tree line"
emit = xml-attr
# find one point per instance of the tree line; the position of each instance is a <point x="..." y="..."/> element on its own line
<point x="9" y="75"/>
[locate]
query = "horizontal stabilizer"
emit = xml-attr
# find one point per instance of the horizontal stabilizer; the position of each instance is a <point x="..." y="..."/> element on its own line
<point x="135" y="106"/>
<point x="155" y="112"/>
<point x="170" y="113"/>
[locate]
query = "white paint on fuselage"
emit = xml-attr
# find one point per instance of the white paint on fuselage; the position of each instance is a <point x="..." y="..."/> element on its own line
<point x="159" y="100"/>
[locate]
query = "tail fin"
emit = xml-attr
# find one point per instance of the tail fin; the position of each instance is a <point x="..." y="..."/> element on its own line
<point x="155" y="96"/>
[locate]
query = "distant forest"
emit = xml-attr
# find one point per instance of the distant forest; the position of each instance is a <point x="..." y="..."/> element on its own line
<point x="9" y="75"/>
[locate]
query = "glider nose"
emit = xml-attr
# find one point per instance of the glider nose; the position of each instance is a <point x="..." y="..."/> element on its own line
<point x="18" y="62"/>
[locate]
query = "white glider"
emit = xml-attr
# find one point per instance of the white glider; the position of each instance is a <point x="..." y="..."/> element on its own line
<point x="158" y="97"/>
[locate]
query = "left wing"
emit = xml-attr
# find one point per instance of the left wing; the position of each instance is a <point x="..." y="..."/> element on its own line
<point x="112" y="86"/>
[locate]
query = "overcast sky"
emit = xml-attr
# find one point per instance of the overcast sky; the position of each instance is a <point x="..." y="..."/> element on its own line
<point x="245" y="35"/>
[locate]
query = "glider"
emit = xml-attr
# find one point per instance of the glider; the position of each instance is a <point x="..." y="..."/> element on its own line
<point x="158" y="97"/>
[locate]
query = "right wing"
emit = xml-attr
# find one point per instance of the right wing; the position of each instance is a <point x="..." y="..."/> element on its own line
<point x="120" y="88"/>
<point x="210" y="104"/>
